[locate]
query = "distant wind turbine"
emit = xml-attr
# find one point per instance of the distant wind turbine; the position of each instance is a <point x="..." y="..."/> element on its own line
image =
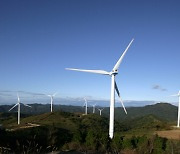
<point x="178" y="108"/>
<point x="94" y="108"/>
<point x="85" y="104"/>
<point x="114" y="87"/>
<point x="100" y="111"/>
<point x="18" y="104"/>
<point x="52" y="99"/>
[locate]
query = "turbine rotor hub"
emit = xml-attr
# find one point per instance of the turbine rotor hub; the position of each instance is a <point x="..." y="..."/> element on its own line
<point x="114" y="72"/>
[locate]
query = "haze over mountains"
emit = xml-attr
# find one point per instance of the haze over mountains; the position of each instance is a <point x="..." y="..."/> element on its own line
<point x="10" y="97"/>
<point x="75" y="101"/>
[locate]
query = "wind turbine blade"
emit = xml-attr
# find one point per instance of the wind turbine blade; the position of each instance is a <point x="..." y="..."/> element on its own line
<point x="122" y="56"/>
<point x="120" y="97"/>
<point x="85" y="100"/>
<point x="27" y="105"/>
<point x="90" y="71"/>
<point x="123" y="105"/>
<point x="18" y="98"/>
<point x="174" y="95"/>
<point x="13" y="107"/>
<point x="55" y="93"/>
<point x="117" y="90"/>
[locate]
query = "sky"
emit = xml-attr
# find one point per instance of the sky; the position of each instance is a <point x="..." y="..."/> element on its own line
<point x="39" y="39"/>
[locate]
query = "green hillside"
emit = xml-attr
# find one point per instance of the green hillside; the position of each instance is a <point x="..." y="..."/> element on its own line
<point x="55" y="129"/>
<point x="164" y="111"/>
<point x="75" y="132"/>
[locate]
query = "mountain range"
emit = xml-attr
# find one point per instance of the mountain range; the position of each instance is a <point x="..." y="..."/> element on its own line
<point x="164" y="111"/>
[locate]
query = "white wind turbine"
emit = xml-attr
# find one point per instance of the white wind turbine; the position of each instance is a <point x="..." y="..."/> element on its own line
<point x="85" y="104"/>
<point x="100" y="111"/>
<point x="114" y="87"/>
<point x="94" y="108"/>
<point x="178" y="108"/>
<point x="52" y="99"/>
<point x="18" y="104"/>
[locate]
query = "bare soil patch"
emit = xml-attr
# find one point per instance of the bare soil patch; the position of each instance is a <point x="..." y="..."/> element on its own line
<point x="170" y="134"/>
<point x="29" y="125"/>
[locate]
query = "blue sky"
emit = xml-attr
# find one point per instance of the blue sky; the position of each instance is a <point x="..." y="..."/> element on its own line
<point x="39" y="39"/>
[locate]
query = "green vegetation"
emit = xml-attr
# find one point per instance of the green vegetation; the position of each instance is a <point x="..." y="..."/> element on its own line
<point x="66" y="132"/>
<point x="163" y="111"/>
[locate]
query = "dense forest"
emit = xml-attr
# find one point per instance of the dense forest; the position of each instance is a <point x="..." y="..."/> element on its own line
<point x="68" y="132"/>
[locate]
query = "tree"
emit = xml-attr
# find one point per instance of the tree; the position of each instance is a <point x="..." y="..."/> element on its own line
<point x="117" y="143"/>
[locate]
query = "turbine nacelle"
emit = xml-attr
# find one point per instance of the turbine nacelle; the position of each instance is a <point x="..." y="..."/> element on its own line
<point x="113" y="73"/>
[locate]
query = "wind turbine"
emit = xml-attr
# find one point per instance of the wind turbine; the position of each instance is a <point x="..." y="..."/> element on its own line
<point x="114" y="87"/>
<point x="100" y="111"/>
<point x="18" y="104"/>
<point x="94" y="108"/>
<point x="52" y="99"/>
<point x="85" y="104"/>
<point x="178" y="108"/>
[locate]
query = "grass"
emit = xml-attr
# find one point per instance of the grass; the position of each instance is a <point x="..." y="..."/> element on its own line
<point x="138" y="132"/>
<point x="62" y="120"/>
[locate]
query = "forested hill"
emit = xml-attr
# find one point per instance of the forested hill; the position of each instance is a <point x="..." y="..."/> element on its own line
<point x="163" y="111"/>
<point x="64" y="131"/>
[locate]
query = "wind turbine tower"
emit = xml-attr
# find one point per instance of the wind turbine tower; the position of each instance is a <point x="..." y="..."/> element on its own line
<point x="178" y="108"/>
<point x="85" y="104"/>
<point x="94" y="108"/>
<point x="19" y="110"/>
<point x="52" y="99"/>
<point x="100" y="111"/>
<point x="114" y="87"/>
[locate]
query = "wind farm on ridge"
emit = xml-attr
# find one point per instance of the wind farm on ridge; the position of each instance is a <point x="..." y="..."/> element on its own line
<point x="113" y="73"/>
<point x="94" y="77"/>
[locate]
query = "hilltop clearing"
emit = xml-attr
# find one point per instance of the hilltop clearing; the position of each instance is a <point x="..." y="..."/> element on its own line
<point x="170" y="134"/>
